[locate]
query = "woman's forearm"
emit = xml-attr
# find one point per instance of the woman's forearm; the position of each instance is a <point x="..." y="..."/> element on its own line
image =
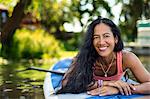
<point x="143" y="88"/>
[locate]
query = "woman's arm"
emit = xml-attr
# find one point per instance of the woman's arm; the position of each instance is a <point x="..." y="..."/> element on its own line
<point x="119" y="86"/>
<point x="103" y="91"/>
<point x="96" y="88"/>
<point x="143" y="88"/>
<point x="132" y="62"/>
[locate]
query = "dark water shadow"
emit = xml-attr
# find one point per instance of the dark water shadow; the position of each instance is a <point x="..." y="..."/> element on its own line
<point x="14" y="86"/>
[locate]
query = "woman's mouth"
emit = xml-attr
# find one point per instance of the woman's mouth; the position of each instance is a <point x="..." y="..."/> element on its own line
<point x="102" y="48"/>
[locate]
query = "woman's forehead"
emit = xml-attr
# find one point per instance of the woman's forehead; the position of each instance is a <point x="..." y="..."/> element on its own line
<point x="102" y="28"/>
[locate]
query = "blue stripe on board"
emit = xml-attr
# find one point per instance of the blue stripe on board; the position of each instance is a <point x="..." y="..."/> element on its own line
<point x="116" y="97"/>
<point x="61" y="66"/>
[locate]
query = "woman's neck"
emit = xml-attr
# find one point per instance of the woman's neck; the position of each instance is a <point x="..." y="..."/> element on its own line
<point x="107" y="60"/>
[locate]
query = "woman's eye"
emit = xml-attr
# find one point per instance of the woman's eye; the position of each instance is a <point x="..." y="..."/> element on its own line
<point x="106" y="36"/>
<point x="95" y="37"/>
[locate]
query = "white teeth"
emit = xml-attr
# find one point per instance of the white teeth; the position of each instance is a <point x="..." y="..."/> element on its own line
<point x="102" y="48"/>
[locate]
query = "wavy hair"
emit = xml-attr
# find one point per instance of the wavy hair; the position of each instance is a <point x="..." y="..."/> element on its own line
<point x="82" y="73"/>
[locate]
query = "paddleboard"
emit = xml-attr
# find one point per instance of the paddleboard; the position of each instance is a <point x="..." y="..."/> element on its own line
<point x="52" y="83"/>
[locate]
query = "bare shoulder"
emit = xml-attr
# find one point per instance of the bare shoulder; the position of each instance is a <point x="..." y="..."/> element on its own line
<point x="129" y="58"/>
<point x="127" y="54"/>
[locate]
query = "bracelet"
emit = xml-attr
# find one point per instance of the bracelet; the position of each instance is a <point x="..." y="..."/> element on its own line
<point x="100" y="83"/>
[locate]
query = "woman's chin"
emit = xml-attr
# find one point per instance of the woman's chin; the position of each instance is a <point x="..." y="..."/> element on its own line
<point x="103" y="54"/>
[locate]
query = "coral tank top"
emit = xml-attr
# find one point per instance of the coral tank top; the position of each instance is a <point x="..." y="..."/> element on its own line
<point x="119" y="74"/>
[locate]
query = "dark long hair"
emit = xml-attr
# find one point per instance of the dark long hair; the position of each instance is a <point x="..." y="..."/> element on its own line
<point x="82" y="74"/>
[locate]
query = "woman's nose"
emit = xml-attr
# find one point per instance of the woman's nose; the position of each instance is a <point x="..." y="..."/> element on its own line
<point x="101" y="41"/>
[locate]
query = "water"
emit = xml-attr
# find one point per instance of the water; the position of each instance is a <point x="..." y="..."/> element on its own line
<point x="29" y="84"/>
<point x="20" y="85"/>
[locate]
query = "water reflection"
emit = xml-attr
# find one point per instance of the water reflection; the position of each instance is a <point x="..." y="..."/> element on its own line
<point x="15" y="86"/>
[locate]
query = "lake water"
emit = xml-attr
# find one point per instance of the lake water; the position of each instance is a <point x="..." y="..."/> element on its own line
<point x="14" y="85"/>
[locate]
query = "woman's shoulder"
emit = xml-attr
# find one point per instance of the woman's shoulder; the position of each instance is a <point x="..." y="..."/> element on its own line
<point x="127" y="53"/>
<point x="128" y="58"/>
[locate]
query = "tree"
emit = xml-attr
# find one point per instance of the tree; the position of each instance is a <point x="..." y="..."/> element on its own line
<point x="52" y="14"/>
<point x="131" y="12"/>
<point x="11" y="25"/>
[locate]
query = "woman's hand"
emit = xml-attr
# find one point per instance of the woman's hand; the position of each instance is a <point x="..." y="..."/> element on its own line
<point x="103" y="91"/>
<point x="124" y="88"/>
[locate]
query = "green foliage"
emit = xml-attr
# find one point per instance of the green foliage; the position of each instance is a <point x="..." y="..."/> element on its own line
<point x="0" y="47"/>
<point x="9" y="4"/>
<point x="73" y="44"/>
<point x="34" y="44"/>
<point x="54" y="13"/>
<point x="132" y="11"/>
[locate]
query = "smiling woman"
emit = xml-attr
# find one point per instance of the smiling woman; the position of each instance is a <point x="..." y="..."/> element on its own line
<point x="103" y="39"/>
<point x="102" y="59"/>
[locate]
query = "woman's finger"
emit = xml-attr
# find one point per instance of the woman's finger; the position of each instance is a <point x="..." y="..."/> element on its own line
<point x="125" y="87"/>
<point x="119" y="87"/>
<point x="108" y="90"/>
<point x="128" y="88"/>
<point x="105" y="93"/>
<point x="96" y="91"/>
<point x="132" y="87"/>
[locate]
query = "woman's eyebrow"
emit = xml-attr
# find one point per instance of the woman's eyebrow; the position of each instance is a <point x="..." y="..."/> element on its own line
<point x="107" y="33"/>
<point x="97" y="34"/>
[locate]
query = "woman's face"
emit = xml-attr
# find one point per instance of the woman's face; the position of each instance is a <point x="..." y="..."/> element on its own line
<point x="103" y="40"/>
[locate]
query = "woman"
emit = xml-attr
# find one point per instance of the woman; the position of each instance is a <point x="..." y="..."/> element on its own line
<point x="101" y="63"/>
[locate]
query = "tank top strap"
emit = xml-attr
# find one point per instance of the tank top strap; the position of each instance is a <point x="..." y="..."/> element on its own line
<point x="119" y="61"/>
